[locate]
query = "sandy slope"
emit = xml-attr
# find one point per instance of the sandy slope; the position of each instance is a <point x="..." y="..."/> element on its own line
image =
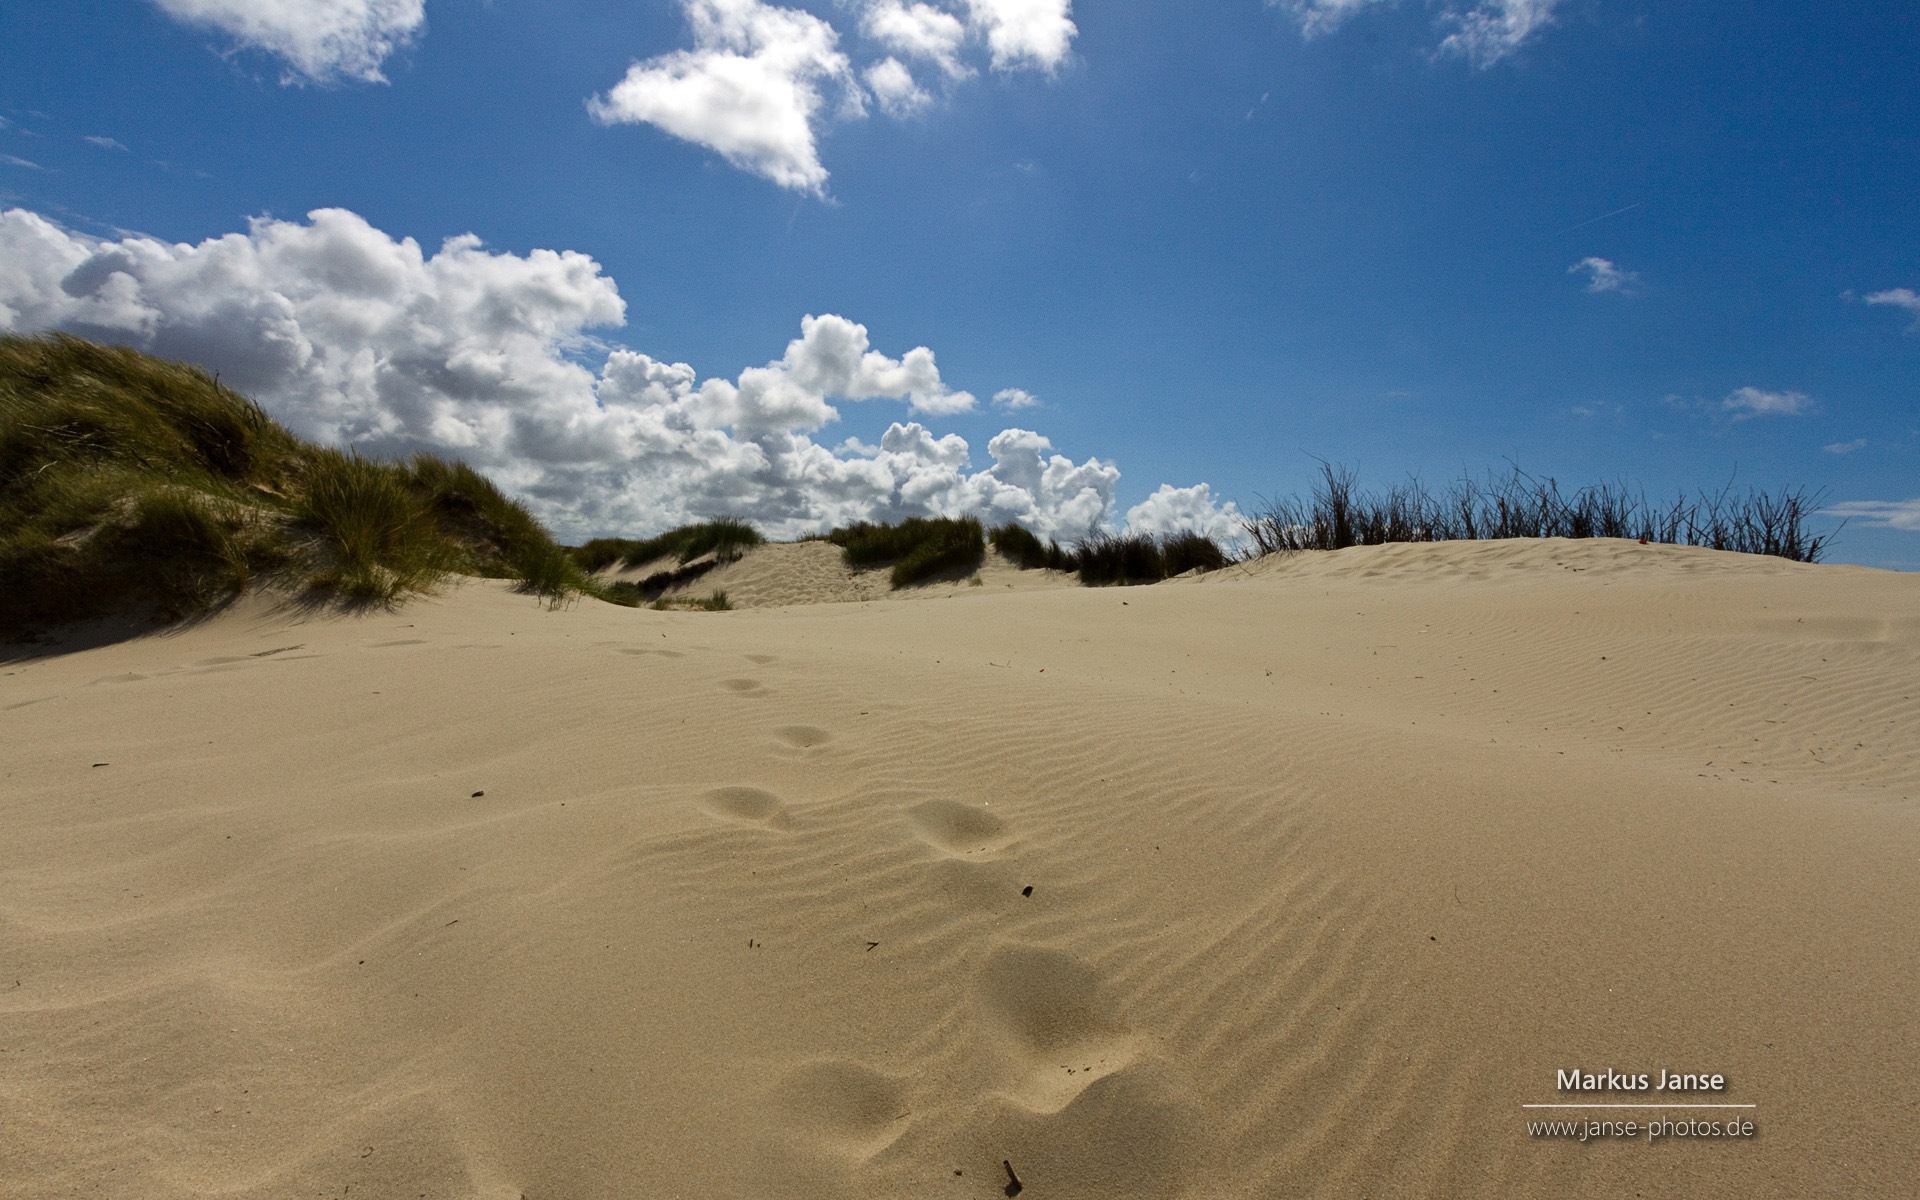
<point x="815" y="573"/>
<point x="1335" y="861"/>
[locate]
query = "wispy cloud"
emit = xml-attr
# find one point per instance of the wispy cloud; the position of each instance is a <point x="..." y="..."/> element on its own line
<point x="1845" y="447"/>
<point x="1887" y="514"/>
<point x="1903" y="298"/>
<point x="1316" y="17"/>
<point x="1756" y="402"/>
<point x="106" y="143"/>
<point x="1604" y="276"/>
<point x="1482" y="31"/>
<point x="1012" y="398"/>
<point x="1493" y="29"/>
<point x="22" y="163"/>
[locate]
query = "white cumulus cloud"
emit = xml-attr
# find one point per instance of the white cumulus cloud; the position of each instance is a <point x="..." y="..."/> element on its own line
<point x="353" y="337"/>
<point x="1025" y="33"/>
<point x="762" y="82"/>
<point x="1484" y="32"/>
<point x="1012" y="398"/>
<point x="1756" y="402"/>
<point x="1604" y="276"/>
<point x="751" y="89"/>
<point x="893" y="86"/>
<point x="1191" y="509"/>
<point x="918" y="31"/>
<point x="319" y="40"/>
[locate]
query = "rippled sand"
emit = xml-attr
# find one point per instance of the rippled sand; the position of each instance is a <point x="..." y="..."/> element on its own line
<point x="1298" y="879"/>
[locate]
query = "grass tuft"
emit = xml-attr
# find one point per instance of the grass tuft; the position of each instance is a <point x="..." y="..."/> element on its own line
<point x="717" y="602"/>
<point x="1122" y="559"/>
<point x="723" y="537"/>
<point x="918" y="547"/>
<point x="1183" y="552"/>
<point x="373" y="537"/>
<point x="1141" y="558"/>
<point x="1025" y="550"/>
<point x="1518" y="505"/>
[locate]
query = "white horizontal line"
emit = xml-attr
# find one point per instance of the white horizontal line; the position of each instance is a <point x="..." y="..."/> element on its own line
<point x="1639" y="1106"/>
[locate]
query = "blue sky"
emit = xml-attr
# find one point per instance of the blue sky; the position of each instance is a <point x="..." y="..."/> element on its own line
<point x="1214" y="241"/>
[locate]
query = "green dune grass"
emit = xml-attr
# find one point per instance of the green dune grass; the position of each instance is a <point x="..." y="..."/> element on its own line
<point x="918" y="547"/>
<point x="724" y="537"/>
<point x="129" y="484"/>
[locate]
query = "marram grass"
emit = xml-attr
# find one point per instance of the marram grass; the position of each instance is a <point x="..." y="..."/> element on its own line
<point x="919" y="547"/>
<point x="132" y="485"/>
<point x="723" y="537"/>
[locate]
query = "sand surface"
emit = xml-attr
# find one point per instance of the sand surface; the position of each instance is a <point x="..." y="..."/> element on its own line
<point x="1335" y="861"/>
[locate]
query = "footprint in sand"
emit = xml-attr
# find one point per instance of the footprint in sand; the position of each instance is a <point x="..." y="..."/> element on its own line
<point x="958" y="829"/>
<point x="843" y="1106"/>
<point x="749" y="805"/>
<point x="1053" y="1021"/>
<point x="803" y="737"/>
<point x="762" y="659"/>
<point x="744" y="687"/>
<point x="1079" y="1111"/>
<point x="1131" y="1135"/>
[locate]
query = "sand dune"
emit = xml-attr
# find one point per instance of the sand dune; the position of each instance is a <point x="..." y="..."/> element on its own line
<point x="785" y="573"/>
<point x="1295" y="879"/>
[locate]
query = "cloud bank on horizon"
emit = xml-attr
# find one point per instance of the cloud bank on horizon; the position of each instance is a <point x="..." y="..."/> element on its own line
<point x="355" y="338"/>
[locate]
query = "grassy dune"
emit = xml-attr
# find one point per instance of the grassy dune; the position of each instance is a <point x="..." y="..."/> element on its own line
<point x="919" y="548"/>
<point x="1337" y="514"/>
<point x="129" y="484"/>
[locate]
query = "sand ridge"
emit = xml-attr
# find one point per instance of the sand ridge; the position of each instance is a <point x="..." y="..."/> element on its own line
<point x="1298" y="879"/>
